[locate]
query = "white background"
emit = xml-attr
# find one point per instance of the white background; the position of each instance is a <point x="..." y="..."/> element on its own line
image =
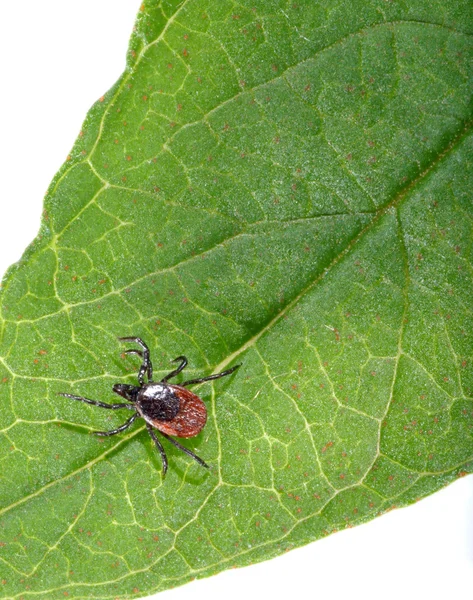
<point x="58" y="57"/>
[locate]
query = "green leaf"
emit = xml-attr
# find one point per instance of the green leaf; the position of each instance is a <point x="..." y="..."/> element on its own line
<point x="282" y="185"/>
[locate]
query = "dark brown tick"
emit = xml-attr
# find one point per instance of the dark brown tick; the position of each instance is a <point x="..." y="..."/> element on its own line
<point x="170" y="409"/>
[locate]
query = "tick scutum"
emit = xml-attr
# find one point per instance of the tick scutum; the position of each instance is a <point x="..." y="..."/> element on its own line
<point x="157" y="402"/>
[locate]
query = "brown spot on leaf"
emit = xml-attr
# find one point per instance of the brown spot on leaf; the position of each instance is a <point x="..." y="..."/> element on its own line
<point x="327" y="445"/>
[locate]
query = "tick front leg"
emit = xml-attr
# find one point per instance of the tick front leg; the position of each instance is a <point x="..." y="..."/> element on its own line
<point x="97" y="403"/>
<point x="118" y="429"/>
<point x="146" y="366"/>
<point x="159" y="446"/>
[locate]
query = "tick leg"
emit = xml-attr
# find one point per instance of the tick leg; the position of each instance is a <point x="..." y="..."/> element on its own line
<point x="144" y="366"/>
<point x="159" y="446"/>
<point x="172" y="374"/>
<point x="210" y="377"/>
<point x="97" y="403"/>
<point x="186" y="450"/>
<point x="118" y="429"/>
<point x="147" y="366"/>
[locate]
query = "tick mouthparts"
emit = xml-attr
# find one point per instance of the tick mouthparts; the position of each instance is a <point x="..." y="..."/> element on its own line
<point x="125" y="391"/>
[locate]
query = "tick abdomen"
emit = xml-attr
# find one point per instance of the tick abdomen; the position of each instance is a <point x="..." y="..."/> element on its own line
<point x="191" y="418"/>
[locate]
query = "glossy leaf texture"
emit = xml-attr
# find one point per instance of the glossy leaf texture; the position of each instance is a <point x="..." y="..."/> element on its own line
<point x="281" y="184"/>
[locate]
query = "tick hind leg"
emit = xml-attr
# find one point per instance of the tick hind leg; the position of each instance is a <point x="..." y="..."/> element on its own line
<point x="159" y="446"/>
<point x="211" y="377"/>
<point x="186" y="450"/>
<point x="146" y="365"/>
<point x="118" y="429"/>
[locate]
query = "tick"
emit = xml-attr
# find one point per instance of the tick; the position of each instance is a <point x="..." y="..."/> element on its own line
<point x="172" y="410"/>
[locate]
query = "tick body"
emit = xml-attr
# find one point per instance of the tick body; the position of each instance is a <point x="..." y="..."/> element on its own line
<point x="171" y="410"/>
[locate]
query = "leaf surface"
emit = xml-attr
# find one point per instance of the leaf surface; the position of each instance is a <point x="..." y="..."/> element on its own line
<point x="286" y="185"/>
